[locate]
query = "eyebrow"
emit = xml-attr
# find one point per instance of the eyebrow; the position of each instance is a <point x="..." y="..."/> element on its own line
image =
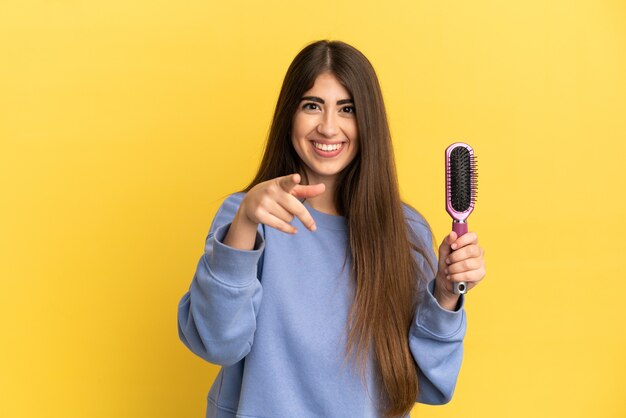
<point x="320" y="100"/>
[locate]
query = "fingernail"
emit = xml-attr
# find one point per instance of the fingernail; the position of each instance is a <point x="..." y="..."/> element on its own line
<point x="447" y="261"/>
<point x="446" y="271"/>
<point x="314" y="228"/>
<point x="453" y="246"/>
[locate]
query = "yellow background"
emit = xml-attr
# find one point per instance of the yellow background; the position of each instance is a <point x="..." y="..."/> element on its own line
<point x="123" y="124"/>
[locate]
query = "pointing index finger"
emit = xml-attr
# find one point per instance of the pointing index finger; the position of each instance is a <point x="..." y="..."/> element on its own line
<point x="308" y="191"/>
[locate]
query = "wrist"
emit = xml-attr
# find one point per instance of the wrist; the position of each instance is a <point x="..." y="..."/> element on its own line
<point x="242" y="233"/>
<point x="242" y="220"/>
<point x="446" y="299"/>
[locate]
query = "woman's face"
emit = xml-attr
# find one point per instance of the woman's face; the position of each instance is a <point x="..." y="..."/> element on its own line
<point x="324" y="131"/>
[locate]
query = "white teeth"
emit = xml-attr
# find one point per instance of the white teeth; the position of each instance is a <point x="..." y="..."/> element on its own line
<point x="326" y="147"/>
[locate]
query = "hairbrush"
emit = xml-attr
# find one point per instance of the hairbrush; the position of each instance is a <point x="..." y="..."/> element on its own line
<point x="461" y="187"/>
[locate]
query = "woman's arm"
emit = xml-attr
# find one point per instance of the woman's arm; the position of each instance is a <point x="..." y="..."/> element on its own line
<point x="436" y="342"/>
<point x="217" y="316"/>
<point x="437" y="332"/>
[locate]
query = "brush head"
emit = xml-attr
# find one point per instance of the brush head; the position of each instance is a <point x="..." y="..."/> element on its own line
<point x="461" y="180"/>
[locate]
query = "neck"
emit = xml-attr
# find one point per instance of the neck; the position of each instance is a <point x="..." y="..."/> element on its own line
<point x="324" y="202"/>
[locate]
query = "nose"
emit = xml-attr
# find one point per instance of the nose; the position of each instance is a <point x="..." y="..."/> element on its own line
<point x="328" y="125"/>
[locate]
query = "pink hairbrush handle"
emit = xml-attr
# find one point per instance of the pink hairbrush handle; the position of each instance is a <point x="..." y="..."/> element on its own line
<point x="460" y="228"/>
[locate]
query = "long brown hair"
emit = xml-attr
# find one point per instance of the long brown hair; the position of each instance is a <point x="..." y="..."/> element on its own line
<point x="387" y="275"/>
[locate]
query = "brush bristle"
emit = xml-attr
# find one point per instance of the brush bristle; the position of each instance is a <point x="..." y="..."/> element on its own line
<point x="463" y="179"/>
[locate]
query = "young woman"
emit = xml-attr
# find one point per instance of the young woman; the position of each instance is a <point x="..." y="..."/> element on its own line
<point x="319" y="292"/>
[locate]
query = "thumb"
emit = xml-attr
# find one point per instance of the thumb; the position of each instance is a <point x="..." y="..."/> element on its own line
<point x="288" y="182"/>
<point x="444" y="248"/>
<point x="452" y="237"/>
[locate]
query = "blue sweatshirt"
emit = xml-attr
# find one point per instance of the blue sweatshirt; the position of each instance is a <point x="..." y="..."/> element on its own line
<point x="273" y="317"/>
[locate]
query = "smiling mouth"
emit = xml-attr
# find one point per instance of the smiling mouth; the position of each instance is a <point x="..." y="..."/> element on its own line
<point x="328" y="147"/>
<point x="328" y="150"/>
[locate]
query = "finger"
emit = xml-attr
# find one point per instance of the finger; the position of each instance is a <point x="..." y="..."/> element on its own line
<point x="466" y="276"/>
<point x="295" y="207"/>
<point x="288" y="182"/>
<point x="281" y="213"/>
<point x="469" y="251"/>
<point x="308" y="190"/>
<point x="271" y="220"/>
<point x="462" y="266"/>
<point x="465" y="239"/>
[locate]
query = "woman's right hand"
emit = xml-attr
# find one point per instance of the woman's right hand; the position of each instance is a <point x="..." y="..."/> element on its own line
<point x="275" y="203"/>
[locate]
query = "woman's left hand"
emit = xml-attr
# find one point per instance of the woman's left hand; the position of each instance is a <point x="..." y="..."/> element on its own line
<point x="460" y="260"/>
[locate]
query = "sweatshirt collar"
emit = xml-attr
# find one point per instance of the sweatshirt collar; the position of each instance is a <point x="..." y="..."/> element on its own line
<point x="326" y="220"/>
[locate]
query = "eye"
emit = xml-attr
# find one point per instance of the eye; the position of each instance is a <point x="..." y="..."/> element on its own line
<point x="307" y="106"/>
<point x="349" y="109"/>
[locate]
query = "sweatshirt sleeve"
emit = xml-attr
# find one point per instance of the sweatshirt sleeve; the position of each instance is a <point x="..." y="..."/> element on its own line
<point x="436" y="334"/>
<point x="217" y="316"/>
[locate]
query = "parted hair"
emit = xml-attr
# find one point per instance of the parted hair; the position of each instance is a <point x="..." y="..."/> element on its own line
<point x="388" y="276"/>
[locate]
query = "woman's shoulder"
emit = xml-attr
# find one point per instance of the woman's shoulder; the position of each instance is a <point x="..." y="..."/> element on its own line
<point x="227" y="209"/>
<point x="417" y="222"/>
<point x="413" y="215"/>
<point x="235" y="197"/>
<point x="230" y="202"/>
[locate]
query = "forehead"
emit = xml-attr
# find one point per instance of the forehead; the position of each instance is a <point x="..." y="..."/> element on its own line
<point x="327" y="84"/>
